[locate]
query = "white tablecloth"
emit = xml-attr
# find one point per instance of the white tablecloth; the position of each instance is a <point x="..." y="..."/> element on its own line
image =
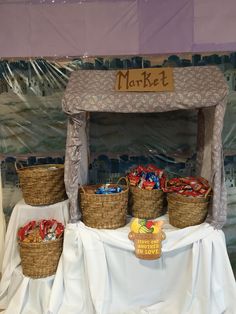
<point x="99" y="273"/>
<point x="13" y="284"/>
<point x="28" y="296"/>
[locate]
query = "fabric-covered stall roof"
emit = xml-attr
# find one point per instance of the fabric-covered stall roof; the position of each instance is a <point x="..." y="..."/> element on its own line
<point x="95" y="91"/>
<point x="195" y="87"/>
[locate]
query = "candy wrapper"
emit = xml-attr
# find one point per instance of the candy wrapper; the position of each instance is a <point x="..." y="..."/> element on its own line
<point x="44" y="230"/>
<point x="188" y="186"/>
<point x="108" y="189"/>
<point x="147" y="178"/>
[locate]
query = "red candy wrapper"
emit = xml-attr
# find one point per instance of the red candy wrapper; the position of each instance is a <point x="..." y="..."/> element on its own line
<point x="196" y="186"/>
<point x="157" y="171"/>
<point x="134" y="180"/>
<point x="149" y="177"/>
<point x="148" y="185"/>
<point x="188" y="186"/>
<point x="46" y="227"/>
<point x="23" y="231"/>
<point x="162" y="182"/>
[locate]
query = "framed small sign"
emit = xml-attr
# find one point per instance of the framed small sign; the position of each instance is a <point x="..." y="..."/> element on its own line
<point x="145" y="80"/>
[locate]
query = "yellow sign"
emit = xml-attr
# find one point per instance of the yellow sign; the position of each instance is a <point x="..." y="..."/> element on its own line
<point x="145" y="80"/>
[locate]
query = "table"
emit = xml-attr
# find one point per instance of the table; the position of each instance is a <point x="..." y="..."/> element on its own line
<point x="14" y="286"/>
<point x="99" y="273"/>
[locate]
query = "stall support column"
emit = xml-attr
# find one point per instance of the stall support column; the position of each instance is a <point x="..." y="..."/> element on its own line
<point x="76" y="161"/>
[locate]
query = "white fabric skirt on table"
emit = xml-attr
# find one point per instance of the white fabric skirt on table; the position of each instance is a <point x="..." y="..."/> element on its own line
<point x="21" y="214"/>
<point x="28" y="296"/>
<point x="100" y="274"/>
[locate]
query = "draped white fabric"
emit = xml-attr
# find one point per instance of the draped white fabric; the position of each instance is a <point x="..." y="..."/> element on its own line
<point x="28" y="296"/>
<point x="99" y="274"/>
<point x="11" y="280"/>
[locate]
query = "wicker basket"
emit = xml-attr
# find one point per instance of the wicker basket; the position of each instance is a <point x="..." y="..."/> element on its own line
<point x="147" y="245"/>
<point x="42" y="184"/>
<point x="146" y="204"/>
<point x="39" y="260"/>
<point x="186" y="211"/>
<point x="104" y="211"/>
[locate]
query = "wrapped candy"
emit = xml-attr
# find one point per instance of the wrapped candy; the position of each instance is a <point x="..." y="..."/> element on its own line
<point x="148" y="185"/>
<point x="107" y="189"/>
<point x="22" y="232"/>
<point x="148" y="178"/>
<point x="43" y="230"/>
<point x="188" y="186"/>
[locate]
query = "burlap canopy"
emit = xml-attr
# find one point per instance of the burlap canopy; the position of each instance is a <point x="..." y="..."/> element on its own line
<point x="202" y="88"/>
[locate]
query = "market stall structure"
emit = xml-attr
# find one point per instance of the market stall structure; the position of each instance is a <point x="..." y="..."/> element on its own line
<point x="201" y="88"/>
<point x="98" y="270"/>
<point x="110" y="279"/>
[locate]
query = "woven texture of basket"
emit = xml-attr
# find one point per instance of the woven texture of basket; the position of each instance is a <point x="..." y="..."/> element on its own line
<point x="104" y="211"/>
<point x="39" y="260"/>
<point x="42" y="184"/>
<point x="147" y="245"/>
<point x="186" y="211"/>
<point x="146" y="204"/>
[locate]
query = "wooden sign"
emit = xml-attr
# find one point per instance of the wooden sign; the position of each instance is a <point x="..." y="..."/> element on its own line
<point x="147" y="245"/>
<point x="145" y="80"/>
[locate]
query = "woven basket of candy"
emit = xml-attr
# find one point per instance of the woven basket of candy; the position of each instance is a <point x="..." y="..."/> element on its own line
<point x="188" y="201"/>
<point x="147" y="237"/>
<point x="105" y="207"/>
<point x="42" y="184"/>
<point x="40" y="245"/>
<point x="146" y="195"/>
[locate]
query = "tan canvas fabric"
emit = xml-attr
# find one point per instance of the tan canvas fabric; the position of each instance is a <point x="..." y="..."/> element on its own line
<point x="95" y="91"/>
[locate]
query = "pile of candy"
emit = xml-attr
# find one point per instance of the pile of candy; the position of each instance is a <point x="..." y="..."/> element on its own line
<point x="108" y="189"/>
<point x="145" y="226"/>
<point x="147" y="178"/>
<point x="44" y="230"/>
<point x="188" y="186"/>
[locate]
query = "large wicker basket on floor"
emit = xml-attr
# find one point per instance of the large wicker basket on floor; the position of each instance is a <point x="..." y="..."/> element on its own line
<point x="186" y="211"/>
<point x="42" y="184"/>
<point x="39" y="260"/>
<point x="104" y="211"/>
<point x="146" y="204"/>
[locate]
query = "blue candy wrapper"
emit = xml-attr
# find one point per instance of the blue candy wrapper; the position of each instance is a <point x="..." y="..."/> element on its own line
<point x="108" y="190"/>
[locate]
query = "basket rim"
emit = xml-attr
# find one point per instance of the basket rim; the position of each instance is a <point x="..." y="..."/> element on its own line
<point x="188" y="199"/>
<point x="50" y="242"/>
<point x="43" y="167"/>
<point x="99" y="195"/>
<point x="138" y="189"/>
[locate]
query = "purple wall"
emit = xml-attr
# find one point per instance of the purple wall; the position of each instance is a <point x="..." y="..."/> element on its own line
<point x="115" y="27"/>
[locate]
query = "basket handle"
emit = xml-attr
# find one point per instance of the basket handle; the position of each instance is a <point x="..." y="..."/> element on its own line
<point x="208" y="191"/>
<point x="21" y="166"/>
<point x="123" y="178"/>
<point x="82" y="189"/>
